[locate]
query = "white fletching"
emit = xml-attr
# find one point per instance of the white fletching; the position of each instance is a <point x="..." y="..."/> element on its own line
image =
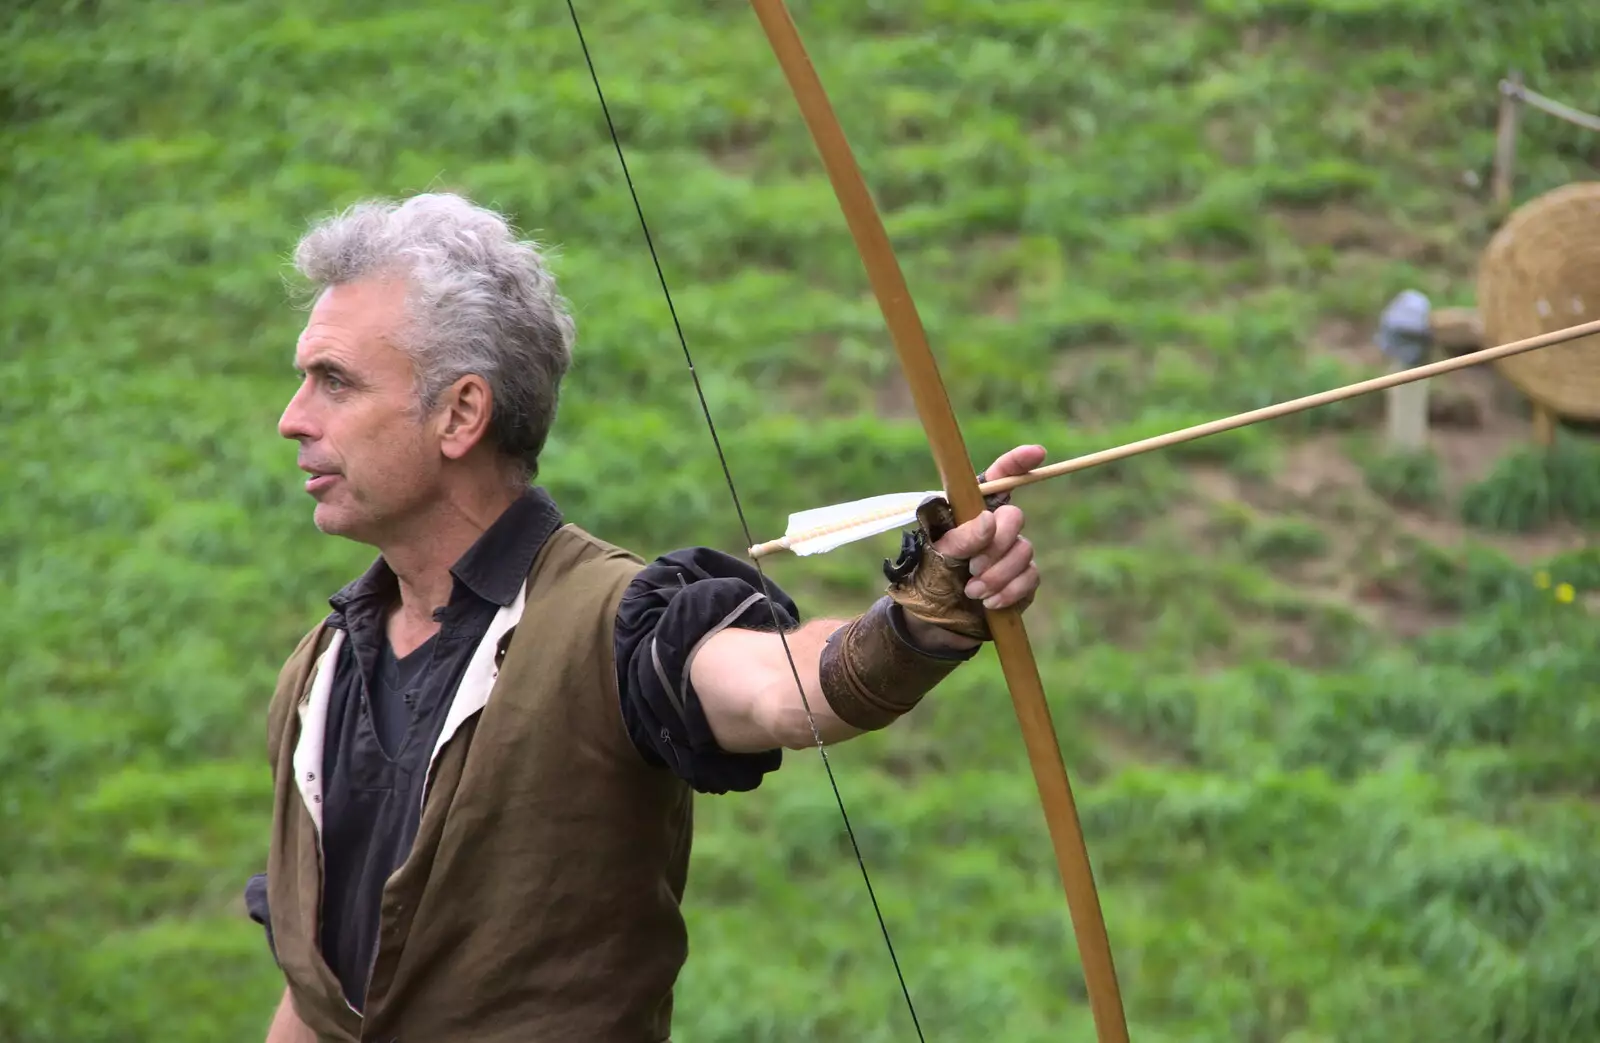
<point x="824" y="528"/>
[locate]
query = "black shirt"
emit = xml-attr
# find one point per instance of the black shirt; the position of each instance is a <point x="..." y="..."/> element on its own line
<point x="385" y="713"/>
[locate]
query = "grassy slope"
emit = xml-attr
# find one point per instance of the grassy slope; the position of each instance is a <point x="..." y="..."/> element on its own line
<point x="1333" y="792"/>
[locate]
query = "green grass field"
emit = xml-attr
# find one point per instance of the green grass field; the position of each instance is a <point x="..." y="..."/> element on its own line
<point x="1332" y="715"/>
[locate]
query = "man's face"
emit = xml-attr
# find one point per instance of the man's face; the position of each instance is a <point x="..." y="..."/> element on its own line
<point x="372" y="465"/>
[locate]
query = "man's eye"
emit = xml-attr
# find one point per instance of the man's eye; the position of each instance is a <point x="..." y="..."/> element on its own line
<point x="333" y="383"/>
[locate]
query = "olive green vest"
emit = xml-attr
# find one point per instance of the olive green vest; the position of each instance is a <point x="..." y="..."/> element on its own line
<point x="540" y="900"/>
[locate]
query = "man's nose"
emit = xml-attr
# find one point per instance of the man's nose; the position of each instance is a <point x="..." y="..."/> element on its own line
<point x="295" y="422"/>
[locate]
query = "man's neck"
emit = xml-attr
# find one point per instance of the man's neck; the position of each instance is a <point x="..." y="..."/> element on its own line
<point x="422" y="562"/>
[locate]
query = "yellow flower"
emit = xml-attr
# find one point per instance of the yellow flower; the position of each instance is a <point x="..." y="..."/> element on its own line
<point x="1541" y="579"/>
<point x="1565" y="593"/>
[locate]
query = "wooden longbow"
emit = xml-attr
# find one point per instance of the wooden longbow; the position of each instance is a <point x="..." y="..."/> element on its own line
<point x="961" y="487"/>
<point x="960" y="484"/>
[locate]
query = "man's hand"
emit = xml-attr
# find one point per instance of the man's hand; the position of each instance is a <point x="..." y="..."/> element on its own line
<point x="1000" y="559"/>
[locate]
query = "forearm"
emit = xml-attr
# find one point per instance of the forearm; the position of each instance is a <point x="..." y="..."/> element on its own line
<point x="877" y="669"/>
<point x="747" y="690"/>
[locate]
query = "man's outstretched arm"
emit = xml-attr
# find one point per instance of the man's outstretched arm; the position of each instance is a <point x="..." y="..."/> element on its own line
<point x="861" y="674"/>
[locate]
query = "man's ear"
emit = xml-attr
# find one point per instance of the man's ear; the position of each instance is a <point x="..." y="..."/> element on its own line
<point x="464" y="412"/>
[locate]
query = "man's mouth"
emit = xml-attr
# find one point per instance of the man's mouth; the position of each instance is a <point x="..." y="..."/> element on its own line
<point x="319" y="480"/>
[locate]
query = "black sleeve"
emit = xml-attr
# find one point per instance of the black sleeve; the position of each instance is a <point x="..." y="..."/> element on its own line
<point x="676" y="602"/>
<point x="255" y="903"/>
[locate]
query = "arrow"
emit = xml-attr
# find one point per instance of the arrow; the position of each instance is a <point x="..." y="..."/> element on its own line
<point x="825" y="528"/>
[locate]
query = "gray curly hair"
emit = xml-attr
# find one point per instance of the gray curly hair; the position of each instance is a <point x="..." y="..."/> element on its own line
<point x="480" y="301"/>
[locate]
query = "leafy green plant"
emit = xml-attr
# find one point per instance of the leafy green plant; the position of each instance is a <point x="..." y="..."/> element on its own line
<point x="1535" y="487"/>
<point x="1405" y="479"/>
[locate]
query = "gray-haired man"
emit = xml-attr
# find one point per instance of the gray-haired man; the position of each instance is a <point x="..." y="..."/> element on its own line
<point x="484" y="756"/>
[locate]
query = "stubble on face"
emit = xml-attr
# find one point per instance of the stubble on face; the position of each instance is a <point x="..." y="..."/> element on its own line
<point x="372" y="460"/>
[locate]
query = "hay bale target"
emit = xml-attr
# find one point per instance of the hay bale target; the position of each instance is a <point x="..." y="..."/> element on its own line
<point x="1541" y="272"/>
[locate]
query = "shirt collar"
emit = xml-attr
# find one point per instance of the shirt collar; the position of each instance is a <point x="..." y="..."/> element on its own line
<point x="494" y="567"/>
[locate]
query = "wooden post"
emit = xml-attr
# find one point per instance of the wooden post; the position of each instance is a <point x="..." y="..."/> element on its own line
<point x="1544" y="426"/>
<point x="1505" y="142"/>
<point x="1407" y="415"/>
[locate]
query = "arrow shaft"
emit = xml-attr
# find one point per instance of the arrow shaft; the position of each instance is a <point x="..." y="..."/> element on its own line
<point x="1229" y="423"/>
<point x="1296" y="405"/>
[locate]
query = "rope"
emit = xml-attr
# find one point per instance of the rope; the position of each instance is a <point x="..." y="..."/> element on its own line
<point x="1555" y="108"/>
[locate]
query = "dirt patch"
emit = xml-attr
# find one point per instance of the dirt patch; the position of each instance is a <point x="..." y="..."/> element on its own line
<point x="1353" y="234"/>
<point x="893" y="400"/>
<point x="1524" y="548"/>
<point x="736" y="148"/>
<point x="1476" y="419"/>
<point x="1226" y="137"/>
<point x="1347" y="574"/>
<point x="1215" y="484"/>
<point x="1002" y="301"/>
<point x="1315" y="466"/>
<point x="1087" y="375"/>
<point x="1317" y="471"/>
<point x="741" y="161"/>
<point x="1345" y="228"/>
<point x="801" y="390"/>
<point x="1349" y="342"/>
<point x="1259" y="37"/>
<point x="1361" y="566"/>
<point x="996" y="263"/>
<point x="1391" y="110"/>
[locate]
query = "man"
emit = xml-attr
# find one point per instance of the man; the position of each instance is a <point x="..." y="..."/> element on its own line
<point x="484" y="757"/>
